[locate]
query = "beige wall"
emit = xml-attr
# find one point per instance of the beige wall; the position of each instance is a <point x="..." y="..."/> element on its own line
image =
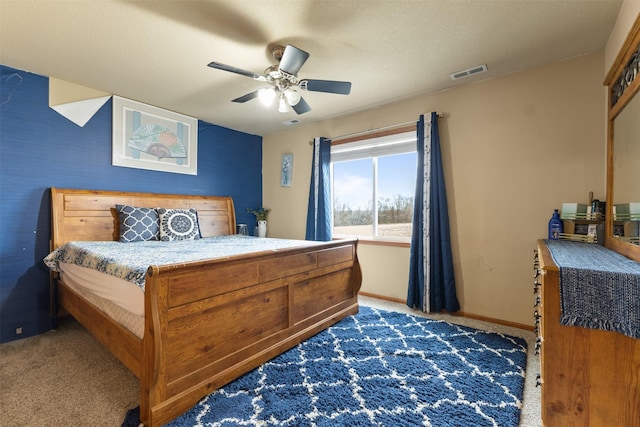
<point x="626" y="17"/>
<point x="514" y="148"/>
<point x="61" y="92"/>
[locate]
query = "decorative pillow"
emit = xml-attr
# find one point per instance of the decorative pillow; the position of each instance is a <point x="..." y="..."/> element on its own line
<point x="138" y="224"/>
<point x="178" y="224"/>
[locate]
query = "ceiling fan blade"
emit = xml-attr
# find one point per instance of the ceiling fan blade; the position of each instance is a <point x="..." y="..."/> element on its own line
<point x="240" y="71"/>
<point x="301" y="107"/>
<point x="292" y="59"/>
<point x="328" y="86"/>
<point x="247" y="97"/>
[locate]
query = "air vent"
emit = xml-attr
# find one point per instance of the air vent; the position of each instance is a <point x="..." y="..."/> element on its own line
<point x="470" y="72"/>
<point x="291" y="122"/>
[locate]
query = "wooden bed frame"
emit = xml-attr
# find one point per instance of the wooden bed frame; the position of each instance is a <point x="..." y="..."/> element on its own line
<point x="206" y="322"/>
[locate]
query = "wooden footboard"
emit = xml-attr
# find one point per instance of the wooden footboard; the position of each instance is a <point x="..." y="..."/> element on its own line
<point x="208" y="322"/>
<point x="213" y="321"/>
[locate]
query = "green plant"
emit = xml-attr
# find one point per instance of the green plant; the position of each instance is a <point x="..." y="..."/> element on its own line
<point x="260" y="213"/>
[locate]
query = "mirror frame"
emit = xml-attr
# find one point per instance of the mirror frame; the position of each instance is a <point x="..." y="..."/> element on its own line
<point x="618" y="96"/>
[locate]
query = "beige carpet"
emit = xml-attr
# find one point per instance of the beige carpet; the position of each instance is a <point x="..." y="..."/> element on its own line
<point x="63" y="378"/>
<point x="66" y="377"/>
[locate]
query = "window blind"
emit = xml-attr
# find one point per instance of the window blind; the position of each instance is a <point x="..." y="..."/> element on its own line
<point x="400" y="143"/>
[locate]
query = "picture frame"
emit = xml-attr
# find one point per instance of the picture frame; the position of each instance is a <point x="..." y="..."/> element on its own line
<point x="286" y="170"/>
<point x="148" y="137"/>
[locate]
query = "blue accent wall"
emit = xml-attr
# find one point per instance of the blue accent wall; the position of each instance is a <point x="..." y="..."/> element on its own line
<point x="40" y="149"/>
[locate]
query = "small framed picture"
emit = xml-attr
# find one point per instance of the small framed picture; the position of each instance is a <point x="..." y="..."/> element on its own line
<point x="286" y="170"/>
<point x="582" y="229"/>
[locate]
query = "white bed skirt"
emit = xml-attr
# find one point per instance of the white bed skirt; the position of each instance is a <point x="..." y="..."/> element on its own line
<point x="120" y="300"/>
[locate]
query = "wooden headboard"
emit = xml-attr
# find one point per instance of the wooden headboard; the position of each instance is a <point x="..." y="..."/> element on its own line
<point x="90" y="215"/>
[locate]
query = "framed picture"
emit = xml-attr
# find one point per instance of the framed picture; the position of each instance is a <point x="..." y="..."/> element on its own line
<point x="147" y="137"/>
<point x="286" y="170"/>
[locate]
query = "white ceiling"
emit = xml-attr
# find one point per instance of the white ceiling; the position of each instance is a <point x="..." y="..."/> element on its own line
<point x="157" y="52"/>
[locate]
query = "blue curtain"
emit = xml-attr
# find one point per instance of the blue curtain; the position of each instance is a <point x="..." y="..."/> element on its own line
<point x="432" y="286"/>
<point x="319" y="211"/>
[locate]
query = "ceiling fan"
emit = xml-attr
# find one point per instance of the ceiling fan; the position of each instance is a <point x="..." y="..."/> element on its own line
<point x="283" y="81"/>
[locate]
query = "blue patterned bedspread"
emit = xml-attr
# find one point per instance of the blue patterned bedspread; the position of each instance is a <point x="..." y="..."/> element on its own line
<point x="599" y="288"/>
<point x="129" y="261"/>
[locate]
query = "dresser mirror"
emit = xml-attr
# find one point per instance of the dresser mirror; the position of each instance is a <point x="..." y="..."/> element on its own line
<point x="623" y="149"/>
<point x="626" y="172"/>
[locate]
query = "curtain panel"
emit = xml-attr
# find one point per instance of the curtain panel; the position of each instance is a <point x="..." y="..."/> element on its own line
<point x="319" y="222"/>
<point x="431" y="279"/>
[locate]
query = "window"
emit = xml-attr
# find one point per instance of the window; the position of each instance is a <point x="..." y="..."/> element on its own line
<point x="373" y="185"/>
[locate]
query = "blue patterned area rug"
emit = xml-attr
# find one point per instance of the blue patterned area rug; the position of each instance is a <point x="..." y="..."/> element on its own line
<point x="377" y="368"/>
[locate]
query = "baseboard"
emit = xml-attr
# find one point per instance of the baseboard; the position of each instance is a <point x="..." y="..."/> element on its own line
<point x="382" y="297"/>
<point x="458" y="313"/>
<point x="497" y="321"/>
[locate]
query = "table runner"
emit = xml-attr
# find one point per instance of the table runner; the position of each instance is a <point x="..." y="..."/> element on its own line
<point x="599" y="288"/>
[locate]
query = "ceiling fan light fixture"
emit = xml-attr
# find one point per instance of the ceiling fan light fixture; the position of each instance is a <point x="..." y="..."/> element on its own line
<point x="292" y="96"/>
<point x="267" y="96"/>
<point x="283" y="106"/>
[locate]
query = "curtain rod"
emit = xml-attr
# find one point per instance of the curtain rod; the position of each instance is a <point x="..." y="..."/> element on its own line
<point x="364" y="132"/>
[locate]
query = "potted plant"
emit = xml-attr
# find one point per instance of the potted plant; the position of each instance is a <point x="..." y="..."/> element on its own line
<point x="261" y="215"/>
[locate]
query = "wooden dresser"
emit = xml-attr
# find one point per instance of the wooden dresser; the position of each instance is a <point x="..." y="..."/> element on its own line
<point x="589" y="377"/>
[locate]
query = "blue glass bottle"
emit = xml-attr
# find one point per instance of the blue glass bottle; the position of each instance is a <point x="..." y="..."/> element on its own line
<point x="555" y="226"/>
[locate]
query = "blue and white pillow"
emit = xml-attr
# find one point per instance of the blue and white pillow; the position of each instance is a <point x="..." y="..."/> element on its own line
<point x="138" y="224"/>
<point x="178" y="224"/>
